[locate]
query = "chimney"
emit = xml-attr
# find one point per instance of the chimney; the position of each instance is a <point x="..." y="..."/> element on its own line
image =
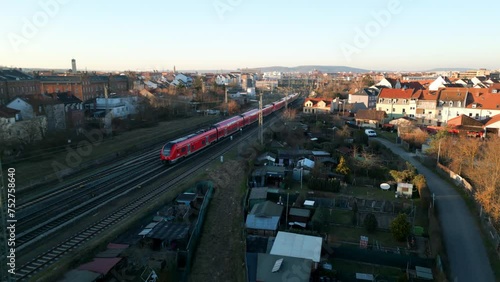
<point x="73" y="66"/>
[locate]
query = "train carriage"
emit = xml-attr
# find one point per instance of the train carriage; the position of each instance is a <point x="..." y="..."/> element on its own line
<point x="250" y="116"/>
<point x="228" y="126"/>
<point x="187" y="145"/>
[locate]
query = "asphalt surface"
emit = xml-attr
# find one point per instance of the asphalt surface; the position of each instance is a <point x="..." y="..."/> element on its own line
<point x="466" y="252"/>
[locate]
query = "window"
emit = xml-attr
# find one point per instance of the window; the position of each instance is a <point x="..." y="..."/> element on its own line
<point x="470" y="114"/>
<point x="439" y="112"/>
<point x="404" y="110"/>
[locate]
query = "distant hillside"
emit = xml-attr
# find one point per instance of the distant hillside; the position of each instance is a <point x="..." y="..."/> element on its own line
<point x="305" y="69"/>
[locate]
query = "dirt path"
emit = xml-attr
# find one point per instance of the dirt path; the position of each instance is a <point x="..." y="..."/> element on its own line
<point x="220" y="253"/>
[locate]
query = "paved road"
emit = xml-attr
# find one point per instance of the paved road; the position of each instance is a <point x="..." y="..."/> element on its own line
<point x="464" y="246"/>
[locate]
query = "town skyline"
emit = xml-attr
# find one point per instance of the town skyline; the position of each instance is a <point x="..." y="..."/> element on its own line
<point x="230" y="35"/>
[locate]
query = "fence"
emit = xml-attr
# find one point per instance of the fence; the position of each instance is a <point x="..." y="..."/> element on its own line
<point x="195" y="235"/>
<point x="484" y="219"/>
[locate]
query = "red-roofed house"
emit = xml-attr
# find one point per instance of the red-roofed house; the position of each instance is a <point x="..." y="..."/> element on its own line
<point x="451" y="103"/>
<point x="317" y="106"/>
<point x="423" y="107"/>
<point x="493" y="125"/>
<point x="395" y="102"/>
<point x="467" y="125"/>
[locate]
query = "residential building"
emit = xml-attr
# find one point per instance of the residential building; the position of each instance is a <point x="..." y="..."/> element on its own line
<point x="395" y="102"/>
<point x="423" y="107"/>
<point x="14" y="83"/>
<point x="118" y="107"/>
<point x="118" y="84"/>
<point x="387" y="82"/>
<point x="84" y="86"/>
<point x="370" y="118"/>
<point x="474" y="73"/>
<point x="367" y="96"/>
<point x="493" y="125"/>
<point x="438" y="83"/>
<point x="451" y="103"/>
<point x="317" y="106"/>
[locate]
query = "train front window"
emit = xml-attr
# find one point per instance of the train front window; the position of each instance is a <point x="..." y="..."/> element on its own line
<point x="167" y="148"/>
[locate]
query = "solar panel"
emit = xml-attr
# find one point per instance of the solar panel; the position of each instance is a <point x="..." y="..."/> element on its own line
<point x="277" y="265"/>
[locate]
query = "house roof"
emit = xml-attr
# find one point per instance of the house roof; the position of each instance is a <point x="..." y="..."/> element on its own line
<point x="454" y="94"/>
<point x="167" y="231"/>
<point x="412" y="85"/>
<point x="463" y="120"/>
<point x="258" y="193"/>
<point x="315" y="101"/>
<point x="100" y="265"/>
<point x="267" y="209"/>
<point x="6" y="112"/>
<point x="298" y="246"/>
<point x="8" y="75"/>
<point x="300" y="212"/>
<point x="492" y="121"/>
<point x="266" y="263"/>
<point x="425" y="95"/>
<point x="370" y="114"/>
<point x="396" y="93"/>
<point x="262" y="223"/>
<point x="483" y="99"/>
<point x="76" y="275"/>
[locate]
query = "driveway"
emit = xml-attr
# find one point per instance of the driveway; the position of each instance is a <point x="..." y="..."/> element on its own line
<point x="464" y="246"/>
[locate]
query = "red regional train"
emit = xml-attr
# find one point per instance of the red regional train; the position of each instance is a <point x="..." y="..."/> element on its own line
<point x="187" y="145"/>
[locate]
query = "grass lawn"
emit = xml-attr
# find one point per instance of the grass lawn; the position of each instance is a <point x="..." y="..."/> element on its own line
<point x="342" y="217"/>
<point x="391" y="136"/>
<point x="372" y="193"/>
<point x="347" y="270"/>
<point x="347" y="234"/>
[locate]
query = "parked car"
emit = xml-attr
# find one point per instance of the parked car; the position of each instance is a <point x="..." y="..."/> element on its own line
<point x="370" y="133"/>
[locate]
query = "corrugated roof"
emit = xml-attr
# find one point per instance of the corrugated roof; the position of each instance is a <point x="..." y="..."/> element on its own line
<point x="300" y="212"/>
<point x="287" y="269"/>
<point x="258" y="193"/>
<point x="262" y="223"/>
<point x="298" y="246"/>
<point x="167" y="231"/>
<point x="76" y="275"/>
<point x="267" y="209"/>
<point x="100" y="265"/>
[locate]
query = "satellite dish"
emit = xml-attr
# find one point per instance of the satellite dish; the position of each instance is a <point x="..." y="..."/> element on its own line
<point x="385" y="186"/>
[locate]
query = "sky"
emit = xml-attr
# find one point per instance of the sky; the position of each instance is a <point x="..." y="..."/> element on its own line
<point x="397" y="35"/>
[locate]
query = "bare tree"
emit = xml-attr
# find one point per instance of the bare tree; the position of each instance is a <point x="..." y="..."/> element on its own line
<point x="486" y="177"/>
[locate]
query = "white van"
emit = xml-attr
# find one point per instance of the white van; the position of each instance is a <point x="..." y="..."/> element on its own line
<point x="370" y="133"/>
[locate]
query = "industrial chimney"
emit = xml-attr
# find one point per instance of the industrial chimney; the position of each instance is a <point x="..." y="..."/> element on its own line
<point x="73" y="66"/>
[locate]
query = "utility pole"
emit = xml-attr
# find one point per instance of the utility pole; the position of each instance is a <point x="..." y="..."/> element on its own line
<point x="261" y="136"/>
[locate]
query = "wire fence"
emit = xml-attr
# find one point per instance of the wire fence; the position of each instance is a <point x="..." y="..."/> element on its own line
<point x="486" y="221"/>
<point x="195" y="235"/>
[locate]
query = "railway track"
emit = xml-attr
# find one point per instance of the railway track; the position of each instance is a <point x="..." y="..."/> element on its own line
<point x="43" y="229"/>
<point x="57" y="216"/>
<point x="44" y="260"/>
